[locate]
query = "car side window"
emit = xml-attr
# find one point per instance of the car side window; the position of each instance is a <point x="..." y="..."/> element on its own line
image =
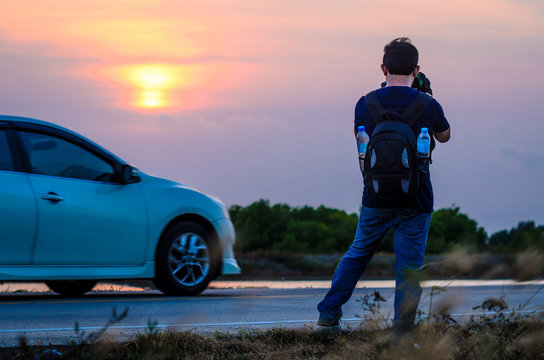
<point x="6" y="161"/>
<point x="50" y="155"/>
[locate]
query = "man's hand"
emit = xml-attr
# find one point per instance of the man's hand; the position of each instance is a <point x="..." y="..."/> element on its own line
<point x="442" y="136"/>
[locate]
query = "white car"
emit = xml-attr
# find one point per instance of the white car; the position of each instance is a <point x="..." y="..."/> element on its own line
<point x="72" y="213"/>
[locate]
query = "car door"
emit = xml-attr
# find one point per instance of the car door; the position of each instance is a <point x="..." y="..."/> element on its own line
<point x="17" y="207"/>
<point x="84" y="216"/>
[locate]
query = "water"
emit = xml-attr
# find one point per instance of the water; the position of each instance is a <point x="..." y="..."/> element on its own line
<point x="362" y="142"/>
<point x="423" y="150"/>
<point x="13" y="288"/>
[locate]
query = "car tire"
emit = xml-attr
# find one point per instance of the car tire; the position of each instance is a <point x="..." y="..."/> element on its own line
<point x="71" y="288"/>
<point x="187" y="259"/>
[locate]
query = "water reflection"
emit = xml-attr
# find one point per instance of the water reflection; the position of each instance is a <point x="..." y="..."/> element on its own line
<point x="10" y="288"/>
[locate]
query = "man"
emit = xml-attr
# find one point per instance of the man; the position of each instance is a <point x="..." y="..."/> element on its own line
<point x="409" y="217"/>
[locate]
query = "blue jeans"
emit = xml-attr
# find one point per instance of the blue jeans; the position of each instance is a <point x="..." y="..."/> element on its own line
<point x="411" y="229"/>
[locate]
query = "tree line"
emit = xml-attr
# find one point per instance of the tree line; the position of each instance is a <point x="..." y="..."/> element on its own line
<point x="322" y="230"/>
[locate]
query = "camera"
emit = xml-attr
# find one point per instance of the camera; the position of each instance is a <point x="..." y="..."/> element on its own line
<point x="422" y="83"/>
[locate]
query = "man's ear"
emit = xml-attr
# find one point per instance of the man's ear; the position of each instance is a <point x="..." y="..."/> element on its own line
<point x="384" y="70"/>
<point x="416" y="71"/>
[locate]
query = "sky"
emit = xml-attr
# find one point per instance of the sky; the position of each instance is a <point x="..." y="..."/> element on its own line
<point x="250" y="100"/>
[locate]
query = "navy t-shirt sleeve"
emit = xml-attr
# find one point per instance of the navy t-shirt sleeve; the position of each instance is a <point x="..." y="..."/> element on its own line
<point x="363" y="117"/>
<point x="360" y="113"/>
<point x="439" y="121"/>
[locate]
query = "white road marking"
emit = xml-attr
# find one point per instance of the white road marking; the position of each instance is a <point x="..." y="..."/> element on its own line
<point x="239" y="324"/>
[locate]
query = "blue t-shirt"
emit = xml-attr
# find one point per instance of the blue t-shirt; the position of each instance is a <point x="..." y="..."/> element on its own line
<point x="398" y="98"/>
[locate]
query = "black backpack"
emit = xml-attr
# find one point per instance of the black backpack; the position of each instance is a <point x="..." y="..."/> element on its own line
<point x="391" y="170"/>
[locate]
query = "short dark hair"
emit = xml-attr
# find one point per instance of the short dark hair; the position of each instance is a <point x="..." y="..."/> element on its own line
<point x="400" y="57"/>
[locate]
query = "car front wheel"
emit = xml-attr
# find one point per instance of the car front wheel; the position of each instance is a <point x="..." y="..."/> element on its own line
<point x="188" y="258"/>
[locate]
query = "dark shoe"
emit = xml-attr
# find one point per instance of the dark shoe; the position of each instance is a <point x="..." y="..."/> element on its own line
<point x="328" y="324"/>
<point x="397" y="339"/>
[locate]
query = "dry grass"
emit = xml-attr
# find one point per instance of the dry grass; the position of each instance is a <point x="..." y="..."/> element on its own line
<point x="485" y="338"/>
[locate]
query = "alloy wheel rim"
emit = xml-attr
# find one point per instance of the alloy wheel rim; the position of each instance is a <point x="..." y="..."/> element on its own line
<point x="189" y="260"/>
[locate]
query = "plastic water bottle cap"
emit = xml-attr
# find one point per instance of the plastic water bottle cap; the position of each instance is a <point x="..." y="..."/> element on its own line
<point x="424" y="130"/>
<point x="361" y="128"/>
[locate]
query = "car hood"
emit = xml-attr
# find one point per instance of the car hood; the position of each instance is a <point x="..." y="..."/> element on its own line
<point x="214" y="207"/>
<point x="157" y="181"/>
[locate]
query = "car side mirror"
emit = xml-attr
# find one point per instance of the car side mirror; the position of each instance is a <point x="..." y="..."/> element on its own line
<point x="128" y="174"/>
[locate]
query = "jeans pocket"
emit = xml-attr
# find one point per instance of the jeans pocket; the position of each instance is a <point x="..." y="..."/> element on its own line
<point x="371" y="223"/>
<point x="414" y="221"/>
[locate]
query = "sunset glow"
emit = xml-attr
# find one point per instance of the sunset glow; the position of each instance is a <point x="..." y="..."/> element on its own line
<point x="150" y="86"/>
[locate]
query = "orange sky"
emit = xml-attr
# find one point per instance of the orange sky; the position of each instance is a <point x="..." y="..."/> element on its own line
<point x="219" y="46"/>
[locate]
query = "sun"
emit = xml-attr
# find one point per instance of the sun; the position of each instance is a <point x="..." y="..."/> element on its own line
<point x="153" y="76"/>
<point x="151" y="99"/>
<point x="154" y="87"/>
<point x="152" y="84"/>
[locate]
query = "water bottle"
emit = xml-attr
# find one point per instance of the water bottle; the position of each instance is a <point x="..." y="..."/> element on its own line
<point x="362" y="142"/>
<point x="423" y="150"/>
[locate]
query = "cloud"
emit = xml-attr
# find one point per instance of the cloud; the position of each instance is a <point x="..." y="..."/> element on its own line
<point x="526" y="157"/>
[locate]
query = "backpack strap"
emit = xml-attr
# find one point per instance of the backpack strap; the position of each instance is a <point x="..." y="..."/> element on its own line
<point x="410" y="115"/>
<point x="374" y="107"/>
<point x="416" y="108"/>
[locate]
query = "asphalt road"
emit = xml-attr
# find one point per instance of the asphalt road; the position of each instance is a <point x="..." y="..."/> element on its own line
<point x="45" y="318"/>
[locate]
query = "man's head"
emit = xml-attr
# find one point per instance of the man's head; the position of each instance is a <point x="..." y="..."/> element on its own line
<point x="400" y="57"/>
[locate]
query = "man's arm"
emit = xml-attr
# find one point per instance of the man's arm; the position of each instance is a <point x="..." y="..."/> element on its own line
<point x="443" y="136"/>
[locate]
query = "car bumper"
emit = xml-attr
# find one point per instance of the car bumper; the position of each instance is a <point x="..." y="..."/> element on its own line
<point x="226" y="236"/>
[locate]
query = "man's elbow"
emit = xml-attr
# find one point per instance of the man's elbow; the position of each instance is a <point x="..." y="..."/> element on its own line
<point x="443" y="136"/>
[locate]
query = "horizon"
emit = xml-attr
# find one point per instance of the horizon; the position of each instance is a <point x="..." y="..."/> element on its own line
<point x="250" y="101"/>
